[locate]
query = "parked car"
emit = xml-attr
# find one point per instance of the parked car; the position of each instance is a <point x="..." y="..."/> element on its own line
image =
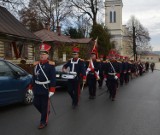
<point x="14" y="82"/>
<point x="60" y="82"/>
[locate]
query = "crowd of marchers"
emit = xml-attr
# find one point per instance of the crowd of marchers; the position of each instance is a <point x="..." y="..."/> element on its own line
<point x="115" y="70"/>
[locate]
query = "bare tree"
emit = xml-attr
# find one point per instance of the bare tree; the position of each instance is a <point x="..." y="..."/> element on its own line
<point x="52" y="11"/>
<point x="87" y="7"/>
<point x="14" y="5"/>
<point x="139" y="35"/>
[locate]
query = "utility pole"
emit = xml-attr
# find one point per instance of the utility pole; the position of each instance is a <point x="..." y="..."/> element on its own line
<point x="134" y="44"/>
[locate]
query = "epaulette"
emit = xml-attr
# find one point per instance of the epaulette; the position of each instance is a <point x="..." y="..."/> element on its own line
<point x="106" y="61"/>
<point x="36" y="63"/>
<point x="82" y="59"/>
<point x="51" y="62"/>
<point x="98" y="60"/>
<point x="87" y="60"/>
<point x="119" y="61"/>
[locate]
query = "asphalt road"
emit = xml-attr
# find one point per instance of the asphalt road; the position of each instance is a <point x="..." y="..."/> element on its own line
<point x="136" y="111"/>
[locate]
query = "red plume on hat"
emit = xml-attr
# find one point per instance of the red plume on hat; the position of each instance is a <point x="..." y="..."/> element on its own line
<point x="107" y="57"/>
<point x="75" y="50"/>
<point x="117" y="56"/>
<point x="112" y="52"/>
<point x="101" y="56"/>
<point x="95" y="48"/>
<point x="45" y="47"/>
<point x="121" y="57"/>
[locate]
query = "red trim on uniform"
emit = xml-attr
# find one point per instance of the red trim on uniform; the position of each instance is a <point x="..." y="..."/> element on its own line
<point x="118" y="75"/>
<point x="92" y="69"/>
<point x="43" y="61"/>
<point x="105" y="76"/>
<point x="48" y="111"/>
<point x="52" y="89"/>
<point x="75" y="59"/>
<point x="30" y="86"/>
<point x="84" y="77"/>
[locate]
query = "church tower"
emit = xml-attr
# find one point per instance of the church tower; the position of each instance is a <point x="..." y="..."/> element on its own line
<point x="113" y="21"/>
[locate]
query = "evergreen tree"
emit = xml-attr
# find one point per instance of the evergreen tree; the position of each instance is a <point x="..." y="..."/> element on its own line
<point x="74" y="33"/>
<point x="103" y="35"/>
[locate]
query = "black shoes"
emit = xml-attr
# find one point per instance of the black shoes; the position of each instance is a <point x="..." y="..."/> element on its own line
<point x="113" y="99"/>
<point x="74" y="105"/>
<point x="41" y="126"/>
<point x="92" y="97"/>
<point x="100" y="87"/>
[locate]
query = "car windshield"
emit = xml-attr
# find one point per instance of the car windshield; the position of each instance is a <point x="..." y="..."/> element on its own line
<point x="59" y="68"/>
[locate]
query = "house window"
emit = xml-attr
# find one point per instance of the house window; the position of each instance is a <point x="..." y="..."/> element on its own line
<point x="8" y="50"/>
<point x="15" y="50"/>
<point x="112" y="16"/>
<point x="22" y="49"/>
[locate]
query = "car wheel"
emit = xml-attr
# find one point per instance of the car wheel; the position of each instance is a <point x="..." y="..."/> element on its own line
<point x="28" y="99"/>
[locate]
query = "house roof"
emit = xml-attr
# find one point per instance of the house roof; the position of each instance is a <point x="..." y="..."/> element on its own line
<point x="50" y="36"/>
<point x="83" y="40"/>
<point x="150" y="54"/>
<point x="10" y="26"/>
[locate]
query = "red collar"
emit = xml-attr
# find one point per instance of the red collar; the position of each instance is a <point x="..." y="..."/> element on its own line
<point x="43" y="61"/>
<point x="93" y="59"/>
<point x="75" y="59"/>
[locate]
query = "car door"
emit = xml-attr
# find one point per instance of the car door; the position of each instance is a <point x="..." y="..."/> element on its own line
<point x="11" y="85"/>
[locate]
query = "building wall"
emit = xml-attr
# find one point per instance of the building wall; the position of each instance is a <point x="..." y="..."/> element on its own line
<point x="28" y="51"/>
<point x="110" y="6"/>
<point x="117" y="30"/>
<point x="114" y="25"/>
<point x="151" y="58"/>
<point x="1" y="49"/>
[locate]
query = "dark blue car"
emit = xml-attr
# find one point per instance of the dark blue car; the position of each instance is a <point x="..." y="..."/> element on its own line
<point x="14" y="83"/>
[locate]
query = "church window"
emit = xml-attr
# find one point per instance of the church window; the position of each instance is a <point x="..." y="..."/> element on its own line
<point x="112" y="16"/>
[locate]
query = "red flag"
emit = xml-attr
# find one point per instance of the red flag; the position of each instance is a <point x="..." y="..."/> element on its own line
<point x="95" y="48"/>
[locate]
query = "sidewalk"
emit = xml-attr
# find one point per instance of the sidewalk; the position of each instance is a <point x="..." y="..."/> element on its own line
<point x="157" y="66"/>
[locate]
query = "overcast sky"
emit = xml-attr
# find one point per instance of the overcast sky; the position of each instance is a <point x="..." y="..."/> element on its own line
<point x="148" y="13"/>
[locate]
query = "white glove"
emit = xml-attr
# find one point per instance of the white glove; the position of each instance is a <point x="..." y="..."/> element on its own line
<point x="116" y="77"/>
<point x="30" y="91"/>
<point x="105" y="79"/>
<point x="51" y="94"/>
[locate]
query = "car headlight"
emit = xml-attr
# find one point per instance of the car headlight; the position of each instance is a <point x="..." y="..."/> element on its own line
<point x="57" y="75"/>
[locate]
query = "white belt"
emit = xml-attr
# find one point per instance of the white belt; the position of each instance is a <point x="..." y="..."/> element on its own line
<point x="42" y="83"/>
<point x="112" y="73"/>
<point x="68" y="76"/>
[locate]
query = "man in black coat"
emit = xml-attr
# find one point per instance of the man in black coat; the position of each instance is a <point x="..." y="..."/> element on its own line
<point x="112" y="73"/>
<point x="92" y="66"/>
<point x="77" y="70"/>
